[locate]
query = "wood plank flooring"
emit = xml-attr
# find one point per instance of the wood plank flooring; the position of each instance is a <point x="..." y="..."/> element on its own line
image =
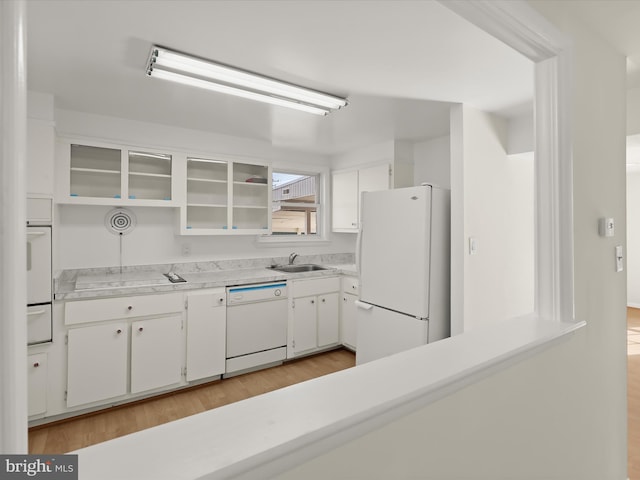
<point x="98" y="427"/>
<point x="633" y="392"/>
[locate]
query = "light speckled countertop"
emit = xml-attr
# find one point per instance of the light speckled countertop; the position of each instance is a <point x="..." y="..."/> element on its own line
<point x="134" y="280"/>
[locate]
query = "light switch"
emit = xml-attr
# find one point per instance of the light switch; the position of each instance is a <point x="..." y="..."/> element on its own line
<point x="473" y="245"/>
<point x="606" y="227"/>
<point x="619" y="258"/>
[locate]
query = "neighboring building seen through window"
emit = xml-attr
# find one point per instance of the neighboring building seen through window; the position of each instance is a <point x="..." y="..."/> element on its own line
<point x="295" y="204"/>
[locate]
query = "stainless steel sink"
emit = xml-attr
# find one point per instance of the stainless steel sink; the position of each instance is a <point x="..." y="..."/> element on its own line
<point x="309" y="267"/>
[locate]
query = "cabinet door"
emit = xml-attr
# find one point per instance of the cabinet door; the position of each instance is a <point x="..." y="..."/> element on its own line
<point x="149" y="176"/>
<point x="345" y="200"/>
<point x="37" y="383"/>
<point x="372" y="179"/>
<point x="348" y="331"/>
<point x="207" y="186"/>
<point x="156" y="353"/>
<point x="97" y="359"/>
<point x="305" y="335"/>
<point x="206" y="334"/>
<point x="95" y="172"/>
<point x="328" y="319"/>
<point x="251" y="198"/>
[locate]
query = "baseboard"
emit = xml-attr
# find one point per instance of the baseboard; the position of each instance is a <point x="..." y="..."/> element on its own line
<point x="633" y="305"/>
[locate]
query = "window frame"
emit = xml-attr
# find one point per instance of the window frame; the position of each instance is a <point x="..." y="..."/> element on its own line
<point x="300" y="206"/>
<point x="322" y="220"/>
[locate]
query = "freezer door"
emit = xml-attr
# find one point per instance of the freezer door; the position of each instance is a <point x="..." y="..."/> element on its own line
<point x="383" y="332"/>
<point x="38" y="265"/>
<point x="394" y="249"/>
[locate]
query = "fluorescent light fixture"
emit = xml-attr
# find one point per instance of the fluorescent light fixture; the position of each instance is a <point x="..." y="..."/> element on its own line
<point x="161" y="156"/>
<point x="188" y="70"/>
<point x="204" y="160"/>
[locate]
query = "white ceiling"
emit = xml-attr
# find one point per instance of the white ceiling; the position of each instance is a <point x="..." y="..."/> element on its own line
<point x="399" y="62"/>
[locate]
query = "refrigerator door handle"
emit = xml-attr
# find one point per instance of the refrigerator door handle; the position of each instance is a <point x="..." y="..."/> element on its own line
<point x="362" y="305"/>
<point x="358" y="249"/>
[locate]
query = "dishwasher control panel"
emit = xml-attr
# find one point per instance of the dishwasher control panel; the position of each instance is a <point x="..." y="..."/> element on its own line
<point x="256" y="293"/>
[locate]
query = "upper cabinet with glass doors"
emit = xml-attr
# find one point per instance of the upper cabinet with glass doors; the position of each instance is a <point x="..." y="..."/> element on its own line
<point x="226" y="197"/>
<point x="114" y="175"/>
<point x="216" y="196"/>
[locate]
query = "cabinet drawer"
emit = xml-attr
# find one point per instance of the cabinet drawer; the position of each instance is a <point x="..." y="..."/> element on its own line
<point x="350" y="285"/>
<point x="39" y="211"/>
<point x="87" y="311"/>
<point x="316" y="286"/>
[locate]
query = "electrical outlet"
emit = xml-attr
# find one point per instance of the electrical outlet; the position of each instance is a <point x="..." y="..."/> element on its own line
<point x="186" y="249"/>
<point x="619" y="259"/>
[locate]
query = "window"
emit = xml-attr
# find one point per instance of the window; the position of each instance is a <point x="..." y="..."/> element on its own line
<point x="296" y="203"/>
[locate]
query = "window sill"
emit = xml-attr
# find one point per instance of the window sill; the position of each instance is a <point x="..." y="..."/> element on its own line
<point x="271" y="433"/>
<point x="293" y="240"/>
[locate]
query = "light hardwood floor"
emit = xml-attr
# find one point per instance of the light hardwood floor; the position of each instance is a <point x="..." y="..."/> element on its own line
<point x="98" y="427"/>
<point x="633" y="392"/>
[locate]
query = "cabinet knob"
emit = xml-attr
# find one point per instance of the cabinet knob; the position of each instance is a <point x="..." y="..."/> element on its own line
<point x="36" y="364"/>
<point x="119" y="331"/>
<point x="130" y="307"/>
<point x="353" y="286"/>
<point x="140" y="329"/>
<point x="313" y="301"/>
<point x="323" y="300"/>
<point x="221" y="300"/>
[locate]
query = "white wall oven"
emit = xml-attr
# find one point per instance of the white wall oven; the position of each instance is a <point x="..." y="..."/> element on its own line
<point x="39" y="290"/>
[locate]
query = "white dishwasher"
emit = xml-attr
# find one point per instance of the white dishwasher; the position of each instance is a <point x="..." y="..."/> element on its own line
<point x="256" y="326"/>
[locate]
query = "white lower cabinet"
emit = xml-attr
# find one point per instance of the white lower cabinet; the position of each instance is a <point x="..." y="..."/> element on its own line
<point x="348" y="312"/>
<point x="123" y="346"/>
<point x="348" y="329"/>
<point x="328" y="319"/>
<point x="315" y="314"/>
<point x="37" y="383"/>
<point x="97" y="363"/>
<point x="98" y="358"/>
<point x="206" y="333"/>
<point x="305" y="321"/>
<point x="156" y="353"/>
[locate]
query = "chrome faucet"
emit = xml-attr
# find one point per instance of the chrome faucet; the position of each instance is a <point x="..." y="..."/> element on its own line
<point x="292" y="257"/>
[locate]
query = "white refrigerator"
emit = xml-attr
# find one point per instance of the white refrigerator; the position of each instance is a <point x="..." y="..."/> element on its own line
<point x="403" y="258"/>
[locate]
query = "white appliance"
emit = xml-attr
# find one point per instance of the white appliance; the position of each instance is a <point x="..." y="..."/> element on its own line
<point x="256" y="326"/>
<point x="38" y="284"/>
<point x="403" y="258"/>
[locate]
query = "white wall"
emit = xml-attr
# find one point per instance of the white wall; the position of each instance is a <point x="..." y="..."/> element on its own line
<point x="378" y="152"/>
<point x="433" y="162"/>
<point x="520" y="134"/>
<point x="493" y="194"/>
<point x="633" y="235"/>
<point x="560" y="414"/>
<point x="633" y="111"/>
<point x="497" y="276"/>
<point x="84" y="242"/>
